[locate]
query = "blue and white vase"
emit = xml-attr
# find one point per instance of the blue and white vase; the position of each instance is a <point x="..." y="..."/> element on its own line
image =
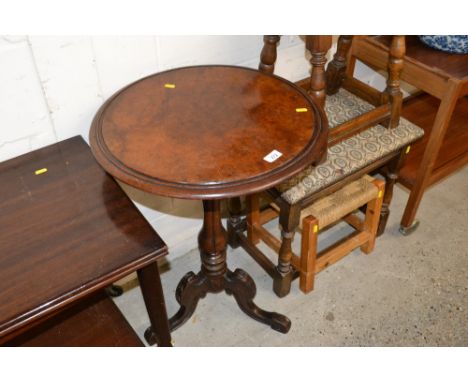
<point x="450" y="44"/>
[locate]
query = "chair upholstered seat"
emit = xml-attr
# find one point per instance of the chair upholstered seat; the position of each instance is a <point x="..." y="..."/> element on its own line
<point x="352" y="154"/>
<point x="344" y="106"/>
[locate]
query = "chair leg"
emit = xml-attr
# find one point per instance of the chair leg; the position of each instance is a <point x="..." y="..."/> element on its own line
<point x="318" y="46"/>
<point x="395" y="65"/>
<point x="336" y="69"/>
<point x="253" y="217"/>
<point x="391" y="176"/>
<point x="234" y="223"/>
<point x="288" y="220"/>
<point x="371" y="221"/>
<point x="268" y="54"/>
<point x="308" y="253"/>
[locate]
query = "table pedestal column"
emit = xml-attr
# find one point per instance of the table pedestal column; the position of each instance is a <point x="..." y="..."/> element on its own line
<point x="215" y="277"/>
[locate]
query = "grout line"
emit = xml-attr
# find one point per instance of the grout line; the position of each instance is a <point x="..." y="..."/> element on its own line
<point x="38" y="76"/>
<point x="96" y="69"/>
<point x="157" y="51"/>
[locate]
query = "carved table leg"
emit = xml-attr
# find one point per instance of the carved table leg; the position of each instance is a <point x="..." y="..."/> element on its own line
<point x="241" y="285"/>
<point x="214" y="276"/>
<point x="190" y="289"/>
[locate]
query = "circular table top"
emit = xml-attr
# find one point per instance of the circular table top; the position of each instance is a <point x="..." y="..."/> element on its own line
<point x="207" y="132"/>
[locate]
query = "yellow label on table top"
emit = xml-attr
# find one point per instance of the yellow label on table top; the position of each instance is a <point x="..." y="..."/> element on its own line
<point x="408" y="149"/>
<point x="301" y="110"/>
<point x="40" y="171"/>
<point x="169" y="86"/>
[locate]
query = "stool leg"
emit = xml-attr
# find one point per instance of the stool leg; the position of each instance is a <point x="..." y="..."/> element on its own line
<point x="253" y="217"/>
<point x="308" y="253"/>
<point x="371" y="222"/>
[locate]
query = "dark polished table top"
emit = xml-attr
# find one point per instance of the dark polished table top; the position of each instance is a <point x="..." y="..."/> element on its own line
<point x="64" y="232"/>
<point x="203" y="132"/>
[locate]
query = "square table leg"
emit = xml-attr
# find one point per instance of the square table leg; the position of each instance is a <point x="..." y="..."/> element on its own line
<point x="151" y="288"/>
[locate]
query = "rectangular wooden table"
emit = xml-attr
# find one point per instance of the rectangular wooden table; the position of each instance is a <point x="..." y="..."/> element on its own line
<point x="67" y="230"/>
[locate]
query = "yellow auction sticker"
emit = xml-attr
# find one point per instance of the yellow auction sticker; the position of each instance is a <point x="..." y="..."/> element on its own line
<point x="40" y="171"/>
<point x="301" y="110"/>
<point x="169" y="86"/>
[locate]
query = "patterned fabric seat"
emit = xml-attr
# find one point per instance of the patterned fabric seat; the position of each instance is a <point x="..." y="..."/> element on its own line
<point x="352" y="154"/>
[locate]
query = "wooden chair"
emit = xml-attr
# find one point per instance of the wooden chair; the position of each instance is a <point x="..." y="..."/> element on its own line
<point x="366" y="134"/>
<point x="441" y="76"/>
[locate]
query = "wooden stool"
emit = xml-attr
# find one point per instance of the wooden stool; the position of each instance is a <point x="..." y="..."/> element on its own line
<point x="365" y="191"/>
<point x="326" y="211"/>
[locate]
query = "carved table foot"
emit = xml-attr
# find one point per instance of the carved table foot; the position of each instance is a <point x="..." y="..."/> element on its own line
<point x="190" y="289"/>
<point x="242" y="287"/>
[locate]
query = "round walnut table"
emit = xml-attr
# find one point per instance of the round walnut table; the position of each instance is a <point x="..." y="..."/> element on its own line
<point x="209" y="133"/>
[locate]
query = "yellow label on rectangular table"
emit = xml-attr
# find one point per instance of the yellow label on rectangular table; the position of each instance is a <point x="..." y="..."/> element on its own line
<point x="40" y="171"/>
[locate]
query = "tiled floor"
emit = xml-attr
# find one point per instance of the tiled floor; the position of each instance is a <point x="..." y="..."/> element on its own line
<point x="411" y="291"/>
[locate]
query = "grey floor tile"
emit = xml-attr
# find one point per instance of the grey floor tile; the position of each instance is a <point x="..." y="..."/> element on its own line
<point x="411" y="291"/>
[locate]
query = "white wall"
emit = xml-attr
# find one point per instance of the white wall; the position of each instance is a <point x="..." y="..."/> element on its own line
<point x="50" y="88"/>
